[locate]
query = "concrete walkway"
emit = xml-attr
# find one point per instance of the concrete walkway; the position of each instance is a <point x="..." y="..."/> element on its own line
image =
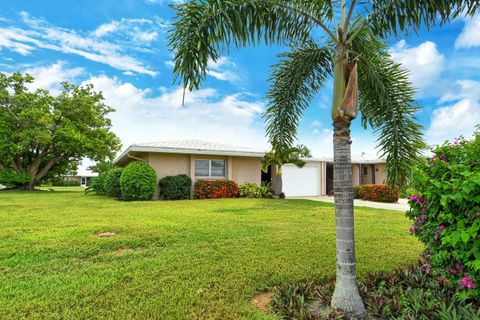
<point x="401" y="205"/>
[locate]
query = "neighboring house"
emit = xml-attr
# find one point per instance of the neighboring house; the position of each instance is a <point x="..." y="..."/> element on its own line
<point x="82" y="177"/>
<point x="206" y="160"/>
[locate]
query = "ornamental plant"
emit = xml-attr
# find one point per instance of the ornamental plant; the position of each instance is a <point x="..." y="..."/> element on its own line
<point x="379" y="192"/>
<point x="446" y="214"/>
<point x="175" y="187"/>
<point x="253" y="190"/>
<point x="138" y="181"/>
<point x="213" y="189"/>
<point x="112" y="183"/>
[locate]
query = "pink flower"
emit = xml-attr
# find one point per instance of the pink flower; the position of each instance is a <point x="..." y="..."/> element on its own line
<point x="455" y="142"/>
<point x="478" y="213"/>
<point x="410" y="230"/>
<point x="441" y="228"/>
<point x="467" y="282"/>
<point x="453" y="271"/>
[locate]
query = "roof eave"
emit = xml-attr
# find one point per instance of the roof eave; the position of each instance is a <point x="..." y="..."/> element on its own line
<point x="189" y="151"/>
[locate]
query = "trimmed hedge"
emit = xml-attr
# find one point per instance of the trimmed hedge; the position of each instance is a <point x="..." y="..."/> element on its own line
<point x="213" y="189"/>
<point x="138" y="182"/>
<point x="253" y="190"/>
<point x="356" y="190"/>
<point x="112" y="183"/>
<point x="175" y="187"/>
<point x="379" y="192"/>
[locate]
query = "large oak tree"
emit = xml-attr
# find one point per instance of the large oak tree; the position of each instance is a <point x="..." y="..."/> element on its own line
<point x="42" y="135"/>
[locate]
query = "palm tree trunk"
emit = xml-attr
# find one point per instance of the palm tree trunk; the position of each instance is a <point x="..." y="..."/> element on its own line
<point x="346" y="296"/>
<point x="278" y="185"/>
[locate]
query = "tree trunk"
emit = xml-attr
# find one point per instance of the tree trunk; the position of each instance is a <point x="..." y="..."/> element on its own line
<point x="346" y="296"/>
<point x="278" y="185"/>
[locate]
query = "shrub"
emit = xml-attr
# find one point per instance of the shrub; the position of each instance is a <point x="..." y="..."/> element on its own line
<point x="446" y="213"/>
<point x="62" y="182"/>
<point x="12" y="179"/>
<point x="138" y="182"/>
<point x="112" y="183"/>
<point x="212" y="189"/>
<point x="379" y="192"/>
<point x="97" y="185"/>
<point x="407" y="192"/>
<point x="406" y="293"/>
<point x="253" y="190"/>
<point x="175" y="187"/>
<point x="356" y="190"/>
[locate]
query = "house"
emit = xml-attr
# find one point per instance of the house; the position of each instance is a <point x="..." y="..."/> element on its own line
<point x="82" y="177"/>
<point x="207" y="160"/>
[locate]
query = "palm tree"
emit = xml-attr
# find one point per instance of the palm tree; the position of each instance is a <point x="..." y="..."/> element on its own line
<point x="327" y="39"/>
<point x="278" y="158"/>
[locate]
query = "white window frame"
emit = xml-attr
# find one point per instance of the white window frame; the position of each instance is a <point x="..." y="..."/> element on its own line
<point x="210" y="168"/>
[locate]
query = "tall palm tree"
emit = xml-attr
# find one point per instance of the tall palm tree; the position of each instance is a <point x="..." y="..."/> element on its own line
<point x="277" y="158"/>
<point x="328" y="38"/>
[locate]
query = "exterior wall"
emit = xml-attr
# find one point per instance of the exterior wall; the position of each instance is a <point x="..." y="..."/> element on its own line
<point x="169" y="164"/>
<point x="380" y="173"/>
<point x="356" y="174"/>
<point x="367" y="178"/>
<point x="246" y="170"/>
<point x="239" y="169"/>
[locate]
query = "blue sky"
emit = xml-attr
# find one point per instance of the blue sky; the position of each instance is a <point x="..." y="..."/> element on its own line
<point x="121" y="47"/>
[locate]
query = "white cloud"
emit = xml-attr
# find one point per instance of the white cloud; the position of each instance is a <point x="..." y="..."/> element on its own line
<point x="106" y="28"/>
<point x="50" y="77"/>
<point x="136" y="31"/>
<point x="424" y="62"/>
<point x="207" y="115"/>
<point x="470" y="35"/>
<point x="40" y="34"/>
<point x="459" y="118"/>
<point x="223" y="69"/>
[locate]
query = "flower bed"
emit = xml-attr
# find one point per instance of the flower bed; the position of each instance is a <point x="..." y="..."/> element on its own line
<point x="214" y="189"/>
<point x="379" y="192"/>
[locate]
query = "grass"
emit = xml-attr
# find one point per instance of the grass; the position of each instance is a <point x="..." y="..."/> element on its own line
<point x="200" y="259"/>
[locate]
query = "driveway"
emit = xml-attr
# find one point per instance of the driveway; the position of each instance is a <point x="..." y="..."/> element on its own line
<point x="401" y="205"/>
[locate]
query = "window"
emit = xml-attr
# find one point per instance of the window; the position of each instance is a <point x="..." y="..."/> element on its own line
<point x="210" y="168"/>
<point x="365" y="170"/>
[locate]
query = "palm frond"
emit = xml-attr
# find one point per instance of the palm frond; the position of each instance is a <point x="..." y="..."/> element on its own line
<point x="393" y="16"/>
<point x="295" y="79"/>
<point x="204" y="28"/>
<point x="387" y="104"/>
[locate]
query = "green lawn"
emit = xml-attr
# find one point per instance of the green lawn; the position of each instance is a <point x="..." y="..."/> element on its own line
<point x="201" y="259"/>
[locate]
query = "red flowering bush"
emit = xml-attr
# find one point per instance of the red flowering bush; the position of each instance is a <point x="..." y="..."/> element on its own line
<point x="446" y="214"/>
<point x="214" y="189"/>
<point x="379" y="192"/>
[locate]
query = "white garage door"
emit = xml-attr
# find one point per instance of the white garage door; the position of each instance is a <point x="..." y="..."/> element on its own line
<point x="300" y="182"/>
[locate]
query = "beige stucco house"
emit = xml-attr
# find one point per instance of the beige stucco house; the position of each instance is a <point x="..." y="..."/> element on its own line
<point x="207" y="160"/>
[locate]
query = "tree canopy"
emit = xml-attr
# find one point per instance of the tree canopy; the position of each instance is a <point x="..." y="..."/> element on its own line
<point x="42" y="134"/>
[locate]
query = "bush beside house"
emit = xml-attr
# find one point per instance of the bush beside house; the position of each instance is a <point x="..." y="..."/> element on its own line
<point x="213" y="189"/>
<point x="253" y="190"/>
<point x="112" y="184"/>
<point x="379" y="192"/>
<point x="175" y="187"/>
<point x="97" y="184"/>
<point x="446" y="214"/>
<point x="138" y="181"/>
